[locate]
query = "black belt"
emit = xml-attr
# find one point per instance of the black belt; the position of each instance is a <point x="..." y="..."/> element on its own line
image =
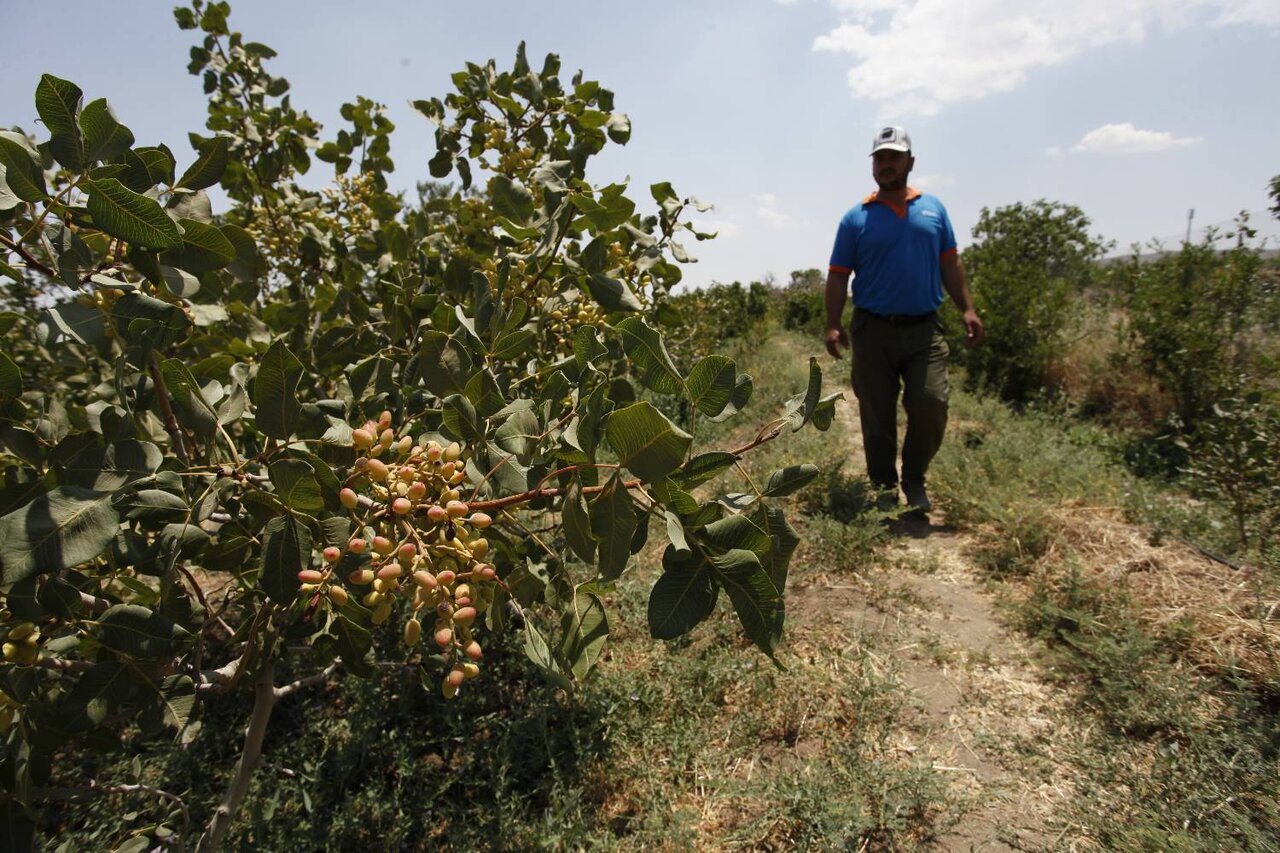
<point x="899" y="319"/>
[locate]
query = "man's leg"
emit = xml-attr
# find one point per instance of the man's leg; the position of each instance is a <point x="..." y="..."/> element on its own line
<point x="876" y="385"/>
<point x="925" y="400"/>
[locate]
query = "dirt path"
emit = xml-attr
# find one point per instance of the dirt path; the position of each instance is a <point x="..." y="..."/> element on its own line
<point x="982" y="714"/>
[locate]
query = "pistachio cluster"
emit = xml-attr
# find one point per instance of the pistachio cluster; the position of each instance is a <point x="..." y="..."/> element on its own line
<point x="21" y="642"/>
<point x="427" y="554"/>
<point x="343" y="212"/>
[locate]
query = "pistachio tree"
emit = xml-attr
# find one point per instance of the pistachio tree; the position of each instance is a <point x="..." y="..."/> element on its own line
<point x="240" y="447"/>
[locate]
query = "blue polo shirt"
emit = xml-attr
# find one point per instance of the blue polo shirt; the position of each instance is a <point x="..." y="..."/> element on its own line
<point x="895" y="253"/>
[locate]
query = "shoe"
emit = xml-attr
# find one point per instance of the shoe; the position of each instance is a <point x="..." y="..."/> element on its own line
<point x="887" y="500"/>
<point x="917" y="497"/>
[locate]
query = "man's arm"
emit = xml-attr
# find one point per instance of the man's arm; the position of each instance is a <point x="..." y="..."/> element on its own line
<point x="957" y="286"/>
<point x="837" y="288"/>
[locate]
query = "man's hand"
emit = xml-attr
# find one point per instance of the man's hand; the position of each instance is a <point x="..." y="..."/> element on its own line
<point x="838" y="338"/>
<point x="972" y="328"/>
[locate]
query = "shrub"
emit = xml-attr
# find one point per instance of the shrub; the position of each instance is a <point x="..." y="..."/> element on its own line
<point x="1028" y="268"/>
<point x="326" y="431"/>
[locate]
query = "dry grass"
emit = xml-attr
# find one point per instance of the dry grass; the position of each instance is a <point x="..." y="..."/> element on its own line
<point x="1227" y="618"/>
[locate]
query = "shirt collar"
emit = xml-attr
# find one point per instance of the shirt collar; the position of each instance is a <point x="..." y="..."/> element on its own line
<point x="912" y="195"/>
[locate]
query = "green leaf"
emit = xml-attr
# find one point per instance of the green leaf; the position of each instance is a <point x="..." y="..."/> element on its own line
<point x="120" y="212"/>
<point x="613" y="523"/>
<point x="204" y="248"/>
<point x="96" y="695"/>
<point x="825" y="412"/>
<point x="147" y="321"/>
<point x="159" y="163"/>
<point x="296" y="484"/>
<point x="800" y="408"/>
<point x="610" y="210"/>
<point x="190" y="204"/>
<point x="59" y="530"/>
<point x="286" y="550"/>
<point x="587" y="346"/>
<point x="184" y="391"/>
<point x="742" y="389"/>
<point x="643" y="345"/>
<point x="444" y="364"/>
<point x="612" y="294"/>
<point x="151" y="505"/>
<point x="663" y="192"/>
<point x="180" y="282"/>
<point x="208" y="168"/>
<point x="22" y="171"/>
<point x="787" y="480"/>
<point x="535" y="648"/>
<point x="577" y="525"/>
<point x="510" y="199"/>
<point x="104" y="136"/>
<point x="485" y="393"/>
<point x="711" y="384"/>
<point x="353" y="641"/>
<point x="676" y="532"/>
<point x="757" y="602"/>
<point x="785" y="539"/>
<point x="513" y="344"/>
<point x="8" y="201"/>
<point x="619" y="128"/>
<point x="683" y="596"/>
<point x="58" y="102"/>
<point x="737" y="532"/>
<point x="178" y="697"/>
<point x="106" y="469"/>
<point x="584" y="627"/>
<point x="10" y="380"/>
<point x="275" y="391"/>
<point x="705" y="467"/>
<point x="461" y="418"/>
<point x="140" y="632"/>
<point x="646" y="441"/>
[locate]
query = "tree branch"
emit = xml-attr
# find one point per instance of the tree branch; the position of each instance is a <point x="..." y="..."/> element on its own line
<point x="264" y="701"/>
<point x="309" y="681"/>
<point x="8" y="242"/>
<point x="166" y="407"/>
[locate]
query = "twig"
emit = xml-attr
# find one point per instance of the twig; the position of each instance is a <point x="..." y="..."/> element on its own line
<point x="533" y="494"/>
<point x="309" y="681"/>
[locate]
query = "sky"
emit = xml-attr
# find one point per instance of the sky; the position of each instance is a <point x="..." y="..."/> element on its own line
<point x="1136" y="111"/>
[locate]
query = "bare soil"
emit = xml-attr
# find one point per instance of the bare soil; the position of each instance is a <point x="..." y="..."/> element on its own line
<point x="982" y="713"/>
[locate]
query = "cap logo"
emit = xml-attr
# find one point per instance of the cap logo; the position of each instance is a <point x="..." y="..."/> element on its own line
<point x="887" y="133"/>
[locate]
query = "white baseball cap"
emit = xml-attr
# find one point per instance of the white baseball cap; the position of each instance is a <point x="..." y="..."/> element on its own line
<point x="893" y="138"/>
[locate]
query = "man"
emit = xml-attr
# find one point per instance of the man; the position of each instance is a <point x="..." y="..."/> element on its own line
<point x="899" y="245"/>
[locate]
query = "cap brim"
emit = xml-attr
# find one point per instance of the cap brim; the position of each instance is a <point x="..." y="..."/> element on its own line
<point x="891" y="146"/>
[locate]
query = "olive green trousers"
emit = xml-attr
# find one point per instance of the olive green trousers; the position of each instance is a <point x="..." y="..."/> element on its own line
<point x="907" y="358"/>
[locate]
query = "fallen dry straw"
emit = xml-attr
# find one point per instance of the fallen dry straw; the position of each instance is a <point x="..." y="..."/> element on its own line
<point x="1231" y="616"/>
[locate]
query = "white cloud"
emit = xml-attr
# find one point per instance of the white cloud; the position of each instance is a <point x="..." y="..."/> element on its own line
<point x="1124" y="138"/>
<point x="767" y="209"/>
<point x="917" y="56"/>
